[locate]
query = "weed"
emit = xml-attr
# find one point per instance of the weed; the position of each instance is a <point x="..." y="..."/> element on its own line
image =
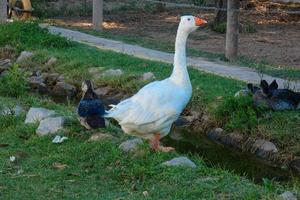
<point x="29" y="34"/>
<point x="14" y="83"/>
<point x="239" y="113"/>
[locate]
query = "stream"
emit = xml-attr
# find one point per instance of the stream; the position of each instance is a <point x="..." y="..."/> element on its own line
<point x="218" y="155"/>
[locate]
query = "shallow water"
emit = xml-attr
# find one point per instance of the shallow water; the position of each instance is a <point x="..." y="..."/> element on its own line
<point x="215" y="154"/>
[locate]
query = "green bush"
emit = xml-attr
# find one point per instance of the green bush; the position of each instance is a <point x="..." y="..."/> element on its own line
<point x="14" y="83"/>
<point x="239" y="114"/>
<point x="27" y="35"/>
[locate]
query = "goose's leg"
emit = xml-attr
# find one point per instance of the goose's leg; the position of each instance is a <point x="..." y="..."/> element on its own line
<point x="155" y="144"/>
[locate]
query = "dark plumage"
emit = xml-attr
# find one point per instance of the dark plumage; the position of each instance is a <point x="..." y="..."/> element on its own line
<point x="277" y="99"/>
<point x="90" y="108"/>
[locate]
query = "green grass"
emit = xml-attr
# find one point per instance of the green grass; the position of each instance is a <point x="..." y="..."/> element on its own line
<point x="105" y="172"/>
<point x="210" y="92"/>
<point x="99" y="170"/>
<point x="260" y="66"/>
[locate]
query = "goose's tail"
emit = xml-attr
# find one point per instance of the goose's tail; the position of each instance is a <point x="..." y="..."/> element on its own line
<point x="110" y="111"/>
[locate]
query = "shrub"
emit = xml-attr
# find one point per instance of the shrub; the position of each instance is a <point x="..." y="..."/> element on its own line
<point x="239" y="113"/>
<point x="14" y="83"/>
<point x="27" y="35"/>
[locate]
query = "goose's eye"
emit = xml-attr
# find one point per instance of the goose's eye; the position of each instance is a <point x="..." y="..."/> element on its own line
<point x="189" y="19"/>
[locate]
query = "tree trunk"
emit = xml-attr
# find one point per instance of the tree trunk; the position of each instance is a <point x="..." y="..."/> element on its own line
<point x="232" y="30"/>
<point x="3" y="11"/>
<point x="221" y="15"/>
<point x="97" y="14"/>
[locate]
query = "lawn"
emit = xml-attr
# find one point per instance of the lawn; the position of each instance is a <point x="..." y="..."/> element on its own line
<point x="99" y="170"/>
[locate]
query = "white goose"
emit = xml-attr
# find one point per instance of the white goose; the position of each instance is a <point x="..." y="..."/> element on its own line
<point x="150" y="113"/>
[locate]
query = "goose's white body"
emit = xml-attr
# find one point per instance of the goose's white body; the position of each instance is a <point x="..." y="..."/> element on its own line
<point x="157" y="105"/>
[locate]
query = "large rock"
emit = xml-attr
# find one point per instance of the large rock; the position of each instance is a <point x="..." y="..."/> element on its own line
<point x="287" y="196"/>
<point x="131" y="145"/>
<point x="264" y="148"/>
<point x="180" y="162"/>
<point x="64" y="89"/>
<point x="38" y="114"/>
<point x="50" y="125"/>
<point x="24" y="56"/>
<point x="113" y="72"/>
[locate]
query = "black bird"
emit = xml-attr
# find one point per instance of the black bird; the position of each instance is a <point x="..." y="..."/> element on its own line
<point x="277" y="99"/>
<point x="90" y="108"/>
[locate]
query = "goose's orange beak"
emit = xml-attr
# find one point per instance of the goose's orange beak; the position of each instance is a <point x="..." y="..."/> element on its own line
<point x="199" y="21"/>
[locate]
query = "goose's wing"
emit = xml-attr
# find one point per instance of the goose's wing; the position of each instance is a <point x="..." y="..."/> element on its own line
<point x="152" y="103"/>
<point x="90" y="107"/>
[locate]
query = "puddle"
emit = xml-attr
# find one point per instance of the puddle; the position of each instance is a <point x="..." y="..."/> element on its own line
<point x="214" y="154"/>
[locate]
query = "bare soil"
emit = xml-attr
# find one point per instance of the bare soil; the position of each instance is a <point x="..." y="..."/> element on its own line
<point x="276" y="40"/>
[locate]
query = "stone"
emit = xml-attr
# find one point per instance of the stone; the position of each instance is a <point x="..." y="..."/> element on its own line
<point x="16" y="111"/>
<point x="51" y="79"/>
<point x="287" y="196"/>
<point x="5" y="65"/>
<point x="242" y="93"/>
<point x="232" y="139"/>
<point x="147" y="76"/>
<point x="113" y="72"/>
<point x="103" y="91"/>
<point x="51" y="61"/>
<point x="295" y="165"/>
<point x="37" y="83"/>
<point x="95" y="70"/>
<point x="50" y="125"/>
<point x="4" y="73"/>
<point x="264" y="148"/>
<point x="215" y="134"/>
<point x="192" y="116"/>
<point x="180" y="162"/>
<point x="24" y="56"/>
<point x="38" y="114"/>
<point x="181" y="122"/>
<point x="64" y="89"/>
<point x="131" y="145"/>
<point x="99" y="137"/>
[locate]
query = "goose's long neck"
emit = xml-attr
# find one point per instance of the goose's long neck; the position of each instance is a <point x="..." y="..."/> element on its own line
<point x="180" y="74"/>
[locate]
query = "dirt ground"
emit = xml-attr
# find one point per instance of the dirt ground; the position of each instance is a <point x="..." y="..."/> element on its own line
<point x="276" y="41"/>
